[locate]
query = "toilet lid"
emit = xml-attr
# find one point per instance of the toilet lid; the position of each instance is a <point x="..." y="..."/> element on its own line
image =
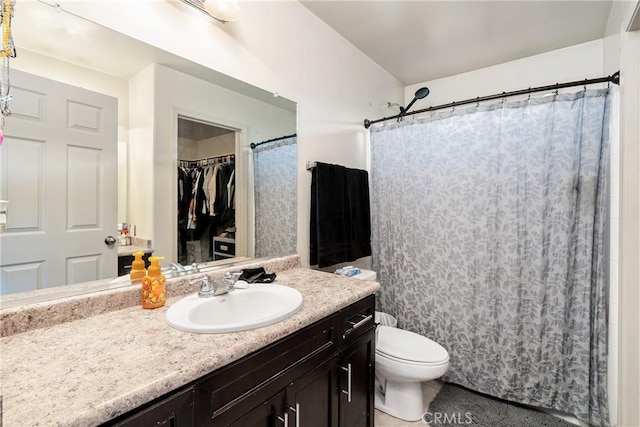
<point x="407" y="345"/>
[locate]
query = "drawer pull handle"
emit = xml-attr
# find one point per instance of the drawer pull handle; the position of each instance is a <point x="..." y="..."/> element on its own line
<point x="297" y="411"/>
<point x="284" y="420"/>
<point x="224" y="247"/>
<point x="348" y="390"/>
<point x="356" y="325"/>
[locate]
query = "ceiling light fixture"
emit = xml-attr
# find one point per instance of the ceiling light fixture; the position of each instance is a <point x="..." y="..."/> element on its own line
<point x="223" y="10"/>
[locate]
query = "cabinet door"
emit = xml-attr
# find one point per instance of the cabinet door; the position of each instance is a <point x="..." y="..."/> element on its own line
<point x="175" y="411"/>
<point x="356" y="369"/>
<point x="267" y="414"/>
<point x="312" y="400"/>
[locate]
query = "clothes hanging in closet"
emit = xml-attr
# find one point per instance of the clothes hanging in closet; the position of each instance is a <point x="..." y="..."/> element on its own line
<point x="205" y="191"/>
<point x="205" y="195"/>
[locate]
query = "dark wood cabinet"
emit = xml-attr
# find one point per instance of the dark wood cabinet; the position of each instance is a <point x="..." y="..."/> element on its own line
<point x="174" y="411"/>
<point x="357" y="366"/>
<point x="319" y="376"/>
<point x="236" y="389"/>
<point x="312" y="400"/>
<point x="266" y="414"/>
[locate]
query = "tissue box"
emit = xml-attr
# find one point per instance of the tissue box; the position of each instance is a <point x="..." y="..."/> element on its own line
<point x="348" y="271"/>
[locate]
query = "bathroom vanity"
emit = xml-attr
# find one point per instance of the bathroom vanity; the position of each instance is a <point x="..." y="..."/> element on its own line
<point x="322" y="375"/>
<point x="125" y="366"/>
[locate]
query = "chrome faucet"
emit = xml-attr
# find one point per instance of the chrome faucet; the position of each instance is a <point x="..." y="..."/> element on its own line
<point x="225" y="285"/>
<point x="219" y="287"/>
<point x="206" y="290"/>
<point x="177" y="267"/>
<point x="181" y="270"/>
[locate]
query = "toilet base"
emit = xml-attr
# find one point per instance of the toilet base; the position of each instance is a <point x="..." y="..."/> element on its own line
<point x="401" y="400"/>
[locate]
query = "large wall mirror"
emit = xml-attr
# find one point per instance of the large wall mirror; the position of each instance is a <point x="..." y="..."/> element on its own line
<point x="136" y="130"/>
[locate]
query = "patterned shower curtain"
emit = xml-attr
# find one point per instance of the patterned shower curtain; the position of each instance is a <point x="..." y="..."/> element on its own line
<point x="275" y="197"/>
<point x="488" y="237"/>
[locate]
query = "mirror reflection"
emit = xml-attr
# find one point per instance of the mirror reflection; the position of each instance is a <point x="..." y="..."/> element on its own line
<point x="108" y="140"/>
<point x="206" y="192"/>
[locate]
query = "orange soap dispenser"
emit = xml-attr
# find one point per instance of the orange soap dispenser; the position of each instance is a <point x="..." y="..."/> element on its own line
<point x="154" y="285"/>
<point x="137" y="268"/>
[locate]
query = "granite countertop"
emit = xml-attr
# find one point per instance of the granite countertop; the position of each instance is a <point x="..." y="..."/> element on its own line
<point x="138" y="244"/>
<point x="130" y="249"/>
<point x="87" y="371"/>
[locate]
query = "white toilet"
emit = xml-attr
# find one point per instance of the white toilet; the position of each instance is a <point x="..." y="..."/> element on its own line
<point x="404" y="360"/>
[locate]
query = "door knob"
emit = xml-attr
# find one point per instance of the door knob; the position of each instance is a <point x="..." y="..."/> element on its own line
<point x="110" y="240"/>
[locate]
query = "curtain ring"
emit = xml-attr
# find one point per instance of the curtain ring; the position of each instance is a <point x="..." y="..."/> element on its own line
<point x="529" y="95"/>
<point x="477" y="102"/>
<point x="556" y="88"/>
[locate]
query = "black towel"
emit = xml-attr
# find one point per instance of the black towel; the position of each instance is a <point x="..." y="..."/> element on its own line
<point x="340" y="216"/>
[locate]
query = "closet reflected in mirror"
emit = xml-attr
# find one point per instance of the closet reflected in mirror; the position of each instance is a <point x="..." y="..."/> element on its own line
<point x="206" y="192"/>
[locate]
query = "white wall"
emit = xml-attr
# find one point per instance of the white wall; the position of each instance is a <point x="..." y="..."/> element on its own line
<point x="223" y="144"/>
<point x="141" y="152"/>
<point x="283" y="48"/>
<point x="562" y="65"/>
<point x="191" y="149"/>
<point x="622" y="52"/>
<point x="629" y="233"/>
<point x="187" y="149"/>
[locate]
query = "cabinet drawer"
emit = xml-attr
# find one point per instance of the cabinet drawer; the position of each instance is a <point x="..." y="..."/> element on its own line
<point x="263" y="372"/>
<point x="357" y="319"/>
<point x="174" y="411"/>
<point x="218" y="256"/>
<point x="225" y="247"/>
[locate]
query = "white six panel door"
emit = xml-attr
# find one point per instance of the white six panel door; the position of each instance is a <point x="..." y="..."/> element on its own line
<point x="59" y="172"/>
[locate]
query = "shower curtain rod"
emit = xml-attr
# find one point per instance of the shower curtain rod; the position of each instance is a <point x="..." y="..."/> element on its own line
<point x="254" y="145"/>
<point x="614" y="78"/>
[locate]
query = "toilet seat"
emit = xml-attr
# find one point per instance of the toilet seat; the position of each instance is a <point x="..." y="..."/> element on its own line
<point x="381" y="355"/>
<point x="408" y="347"/>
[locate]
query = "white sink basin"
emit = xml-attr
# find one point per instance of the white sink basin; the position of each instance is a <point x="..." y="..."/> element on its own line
<point x="239" y="310"/>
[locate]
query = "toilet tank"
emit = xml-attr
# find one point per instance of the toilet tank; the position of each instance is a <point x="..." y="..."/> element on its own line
<point x="367" y="275"/>
<point x="381" y="318"/>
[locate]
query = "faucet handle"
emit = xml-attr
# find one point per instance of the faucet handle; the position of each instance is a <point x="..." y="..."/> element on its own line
<point x="233" y="276"/>
<point x="205" y="286"/>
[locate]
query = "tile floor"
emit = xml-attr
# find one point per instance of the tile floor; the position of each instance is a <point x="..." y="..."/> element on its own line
<point x="429" y="391"/>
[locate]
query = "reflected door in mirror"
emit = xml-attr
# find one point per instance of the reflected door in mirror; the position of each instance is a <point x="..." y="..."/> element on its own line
<point x="58" y="162"/>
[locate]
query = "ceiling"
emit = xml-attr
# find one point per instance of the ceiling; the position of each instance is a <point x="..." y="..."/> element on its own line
<point x="418" y="41"/>
<point x="415" y="41"/>
<point x="197" y="131"/>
